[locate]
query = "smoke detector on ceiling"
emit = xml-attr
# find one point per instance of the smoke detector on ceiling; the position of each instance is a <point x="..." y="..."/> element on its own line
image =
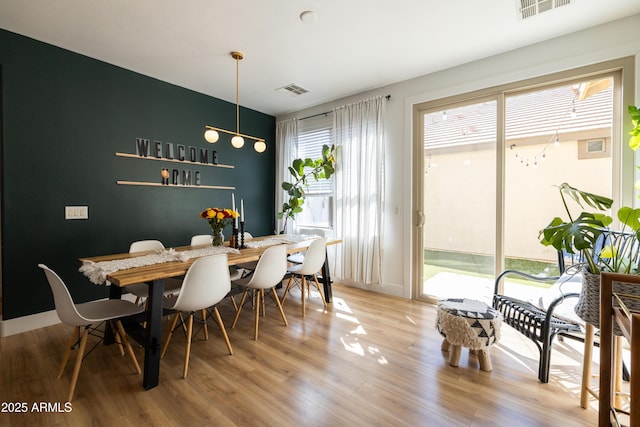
<point x="292" y="89"/>
<point x="530" y="8"/>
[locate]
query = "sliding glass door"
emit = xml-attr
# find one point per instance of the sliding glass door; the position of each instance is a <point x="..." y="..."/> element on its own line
<point x="554" y="135"/>
<point x="488" y="171"/>
<point x="459" y="200"/>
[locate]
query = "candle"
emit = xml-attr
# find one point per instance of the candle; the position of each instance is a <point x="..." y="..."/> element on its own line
<point x="242" y="210"/>
<point x="233" y="208"/>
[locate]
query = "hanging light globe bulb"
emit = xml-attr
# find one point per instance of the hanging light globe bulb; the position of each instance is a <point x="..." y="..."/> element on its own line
<point x="211" y="136"/>
<point x="260" y="146"/>
<point x="237" y="141"/>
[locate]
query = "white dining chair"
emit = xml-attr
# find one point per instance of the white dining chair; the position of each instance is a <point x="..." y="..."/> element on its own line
<point x="201" y="239"/>
<point x="298" y="257"/>
<point x="205" y="285"/>
<point x="207" y="239"/>
<point x="307" y="272"/>
<point x="86" y="318"/>
<point x="235" y="272"/>
<point x="141" y="290"/>
<point x="269" y="272"/>
<point x="245" y="268"/>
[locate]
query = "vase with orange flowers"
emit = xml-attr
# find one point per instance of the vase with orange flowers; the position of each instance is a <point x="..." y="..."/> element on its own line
<point x="218" y="218"/>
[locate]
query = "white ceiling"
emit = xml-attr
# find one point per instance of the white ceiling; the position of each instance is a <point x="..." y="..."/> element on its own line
<point x="353" y="46"/>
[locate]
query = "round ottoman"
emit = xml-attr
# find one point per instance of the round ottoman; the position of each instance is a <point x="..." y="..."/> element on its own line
<point x="468" y="323"/>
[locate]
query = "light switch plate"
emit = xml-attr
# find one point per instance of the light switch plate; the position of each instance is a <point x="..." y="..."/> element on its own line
<point x="76" y="212"/>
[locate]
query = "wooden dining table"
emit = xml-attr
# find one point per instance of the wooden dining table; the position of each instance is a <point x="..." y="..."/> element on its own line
<point x="154" y="276"/>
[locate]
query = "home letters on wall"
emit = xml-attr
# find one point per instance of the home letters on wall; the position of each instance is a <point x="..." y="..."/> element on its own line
<point x="176" y="153"/>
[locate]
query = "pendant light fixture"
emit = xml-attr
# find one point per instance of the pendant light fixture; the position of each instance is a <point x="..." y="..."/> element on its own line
<point x="211" y="133"/>
<point x="237" y="141"/>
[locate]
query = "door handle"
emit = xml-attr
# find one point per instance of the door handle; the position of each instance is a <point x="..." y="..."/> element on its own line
<point x="420" y="218"/>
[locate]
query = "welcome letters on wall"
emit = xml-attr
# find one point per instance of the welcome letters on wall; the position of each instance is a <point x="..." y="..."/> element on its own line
<point x="176" y="153"/>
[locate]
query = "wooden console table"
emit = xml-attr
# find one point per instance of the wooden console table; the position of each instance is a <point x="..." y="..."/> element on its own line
<point x="613" y="309"/>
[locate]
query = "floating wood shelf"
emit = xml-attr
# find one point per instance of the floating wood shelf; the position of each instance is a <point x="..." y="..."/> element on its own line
<point x="157" y="184"/>
<point x="183" y="162"/>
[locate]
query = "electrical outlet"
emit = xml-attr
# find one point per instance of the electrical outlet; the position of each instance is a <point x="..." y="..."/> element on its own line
<point x="76" y="212"/>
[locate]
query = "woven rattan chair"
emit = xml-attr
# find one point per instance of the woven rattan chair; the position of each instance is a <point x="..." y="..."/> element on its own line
<point x="542" y="322"/>
<point x="537" y="321"/>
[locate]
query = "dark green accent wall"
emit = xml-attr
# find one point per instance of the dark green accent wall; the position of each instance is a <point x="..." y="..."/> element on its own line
<point x="64" y="116"/>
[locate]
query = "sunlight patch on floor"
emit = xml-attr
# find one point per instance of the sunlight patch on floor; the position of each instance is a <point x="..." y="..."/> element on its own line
<point x="350" y="341"/>
<point x="454" y="285"/>
<point x="359" y="331"/>
<point x="341" y="305"/>
<point x="348" y="318"/>
<point x="354" y="347"/>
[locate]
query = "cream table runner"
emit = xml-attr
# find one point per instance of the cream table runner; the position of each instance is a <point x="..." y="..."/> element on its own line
<point x="97" y="271"/>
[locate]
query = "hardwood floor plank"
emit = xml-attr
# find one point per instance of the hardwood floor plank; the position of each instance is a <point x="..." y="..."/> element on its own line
<point x="368" y="359"/>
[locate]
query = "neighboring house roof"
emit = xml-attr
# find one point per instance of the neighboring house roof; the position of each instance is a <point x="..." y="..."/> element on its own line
<point x="530" y="115"/>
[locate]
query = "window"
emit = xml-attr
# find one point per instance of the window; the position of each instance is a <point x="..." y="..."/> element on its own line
<point x="594" y="148"/>
<point x="313" y="133"/>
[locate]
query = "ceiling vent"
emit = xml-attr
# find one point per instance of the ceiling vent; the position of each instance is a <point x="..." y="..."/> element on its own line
<point x="292" y="89"/>
<point x="530" y="8"/>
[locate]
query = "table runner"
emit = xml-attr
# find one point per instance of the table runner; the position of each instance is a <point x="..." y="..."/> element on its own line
<point x="97" y="271"/>
<point x="285" y="238"/>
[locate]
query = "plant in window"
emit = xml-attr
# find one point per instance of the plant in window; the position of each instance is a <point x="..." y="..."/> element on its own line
<point x="581" y="234"/>
<point x="301" y="171"/>
<point x="634" y="141"/>
<point x="578" y="235"/>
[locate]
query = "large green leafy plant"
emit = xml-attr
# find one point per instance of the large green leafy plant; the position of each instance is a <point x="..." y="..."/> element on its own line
<point x="580" y="234"/>
<point x="634" y="141"/>
<point x="301" y="171"/>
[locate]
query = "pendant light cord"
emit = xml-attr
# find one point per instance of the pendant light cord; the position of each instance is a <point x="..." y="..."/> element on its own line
<point x="237" y="97"/>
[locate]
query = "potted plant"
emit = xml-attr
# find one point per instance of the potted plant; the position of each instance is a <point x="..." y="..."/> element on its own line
<point x="301" y="171"/>
<point x="601" y="249"/>
<point x="580" y="235"/>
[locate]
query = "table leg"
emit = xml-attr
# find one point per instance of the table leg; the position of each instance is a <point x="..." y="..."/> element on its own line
<point x="153" y="335"/>
<point x="606" y="350"/>
<point x="634" y="383"/>
<point x="326" y="279"/>
<point x="115" y="292"/>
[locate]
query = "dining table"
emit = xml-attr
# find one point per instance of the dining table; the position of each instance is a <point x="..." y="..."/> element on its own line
<point x="154" y="275"/>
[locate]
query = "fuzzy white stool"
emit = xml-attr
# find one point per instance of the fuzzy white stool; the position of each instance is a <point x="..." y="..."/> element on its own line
<point x="471" y="324"/>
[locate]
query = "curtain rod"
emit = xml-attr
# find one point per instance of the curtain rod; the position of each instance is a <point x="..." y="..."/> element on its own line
<point x="388" y="97"/>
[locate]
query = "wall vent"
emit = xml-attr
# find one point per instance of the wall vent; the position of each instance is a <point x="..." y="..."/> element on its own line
<point x="292" y="89"/>
<point x="530" y="8"/>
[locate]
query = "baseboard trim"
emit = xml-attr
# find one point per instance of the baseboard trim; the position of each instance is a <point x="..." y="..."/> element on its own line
<point x="35" y="321"/>
<point x="28" y="323"/>
<point x="387" y="288"/>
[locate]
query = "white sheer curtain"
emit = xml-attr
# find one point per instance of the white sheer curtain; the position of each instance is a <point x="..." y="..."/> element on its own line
<point x="359" y="137"/>
<point x="286" y="149"/>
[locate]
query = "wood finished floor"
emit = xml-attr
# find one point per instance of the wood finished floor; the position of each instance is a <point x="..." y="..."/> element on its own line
<point x="369" y="359"/>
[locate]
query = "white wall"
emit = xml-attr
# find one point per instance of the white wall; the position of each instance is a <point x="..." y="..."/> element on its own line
<point x="610" y="41"/>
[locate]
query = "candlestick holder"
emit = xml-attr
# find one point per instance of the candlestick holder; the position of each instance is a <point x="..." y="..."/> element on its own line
<point x="242" y="246"/>
<point x="234" y="238"/>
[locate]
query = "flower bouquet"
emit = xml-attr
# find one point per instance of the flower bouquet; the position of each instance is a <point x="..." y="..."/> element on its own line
<point x="218" y="218"/>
